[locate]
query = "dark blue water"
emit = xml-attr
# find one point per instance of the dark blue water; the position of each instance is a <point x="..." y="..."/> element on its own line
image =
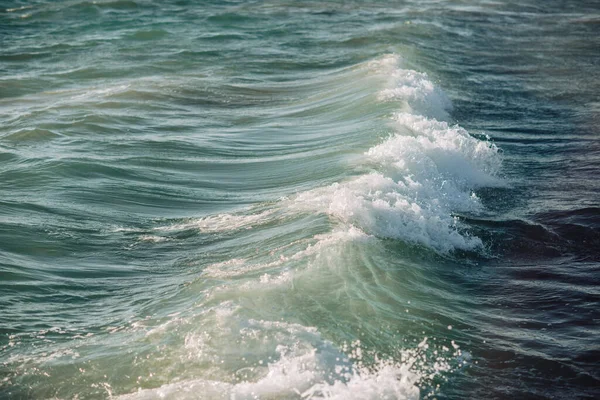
<point x="299" y="199"/>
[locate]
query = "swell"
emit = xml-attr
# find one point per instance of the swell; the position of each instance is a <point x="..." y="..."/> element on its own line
<point x="228" y="235"/>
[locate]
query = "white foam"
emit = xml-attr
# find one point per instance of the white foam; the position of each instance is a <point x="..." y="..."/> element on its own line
<point x="389" y="381"/>
<point x="220" y="222"/>
<point x="298" y="363"/>
<point x="415" y="92"/>
<point x="275" y="359"/>
<point x="95" y="92"/>
<point x="239" y="267"/>
<point x="295" y="378"/>
<point x="153" y="238"/>
<point x="321" y="371"/>
<point x="424" y="173"/>
<point x="430" y="149"/>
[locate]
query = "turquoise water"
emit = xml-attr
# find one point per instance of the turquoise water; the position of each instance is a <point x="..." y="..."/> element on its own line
<point x="275" y="200"/>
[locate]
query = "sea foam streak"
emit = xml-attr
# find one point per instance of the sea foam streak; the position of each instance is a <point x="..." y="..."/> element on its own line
<point x="424" y="173"/>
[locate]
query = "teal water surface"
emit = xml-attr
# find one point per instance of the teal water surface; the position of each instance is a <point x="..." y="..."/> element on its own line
<point x="275" y="200"/>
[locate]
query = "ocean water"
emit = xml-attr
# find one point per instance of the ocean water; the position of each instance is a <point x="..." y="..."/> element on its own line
<point x="299" y="199"/>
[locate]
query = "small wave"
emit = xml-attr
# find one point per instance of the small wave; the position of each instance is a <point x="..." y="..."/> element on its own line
<point x="30" y="136"/>
<point x="117" y="4"/>
<point x="103" y="4"/>
<point x="25" y="56"/>
<point x="151" y="34"/>
<point x="95" y="92"/>
<point x="18" y="8"/>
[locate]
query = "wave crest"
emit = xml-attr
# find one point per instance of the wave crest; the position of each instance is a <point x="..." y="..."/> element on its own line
<point x="424" y="173"/>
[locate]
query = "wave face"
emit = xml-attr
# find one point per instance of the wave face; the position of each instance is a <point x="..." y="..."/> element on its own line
<point x="283" y="200"/>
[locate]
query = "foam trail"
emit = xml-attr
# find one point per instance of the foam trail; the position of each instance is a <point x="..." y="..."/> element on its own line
<point x="219" y="223"/>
